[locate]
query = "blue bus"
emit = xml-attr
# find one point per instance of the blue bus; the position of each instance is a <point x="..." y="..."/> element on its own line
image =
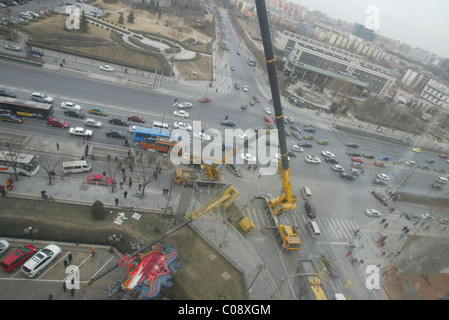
<point x="141" y="133"/>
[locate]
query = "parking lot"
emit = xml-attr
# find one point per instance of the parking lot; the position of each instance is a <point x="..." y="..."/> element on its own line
<point x="15" y="286"/>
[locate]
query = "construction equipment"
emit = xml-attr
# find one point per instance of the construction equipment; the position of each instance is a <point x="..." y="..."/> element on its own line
<point x="286" y="201"/>
<point x="309" y="281"/>
<point x="183" y="175"/>
<point x="214" y="169"/>
<point x="287" y="234"/>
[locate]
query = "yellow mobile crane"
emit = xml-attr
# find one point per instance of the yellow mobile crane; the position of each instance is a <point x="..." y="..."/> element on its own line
<point x="287" y="234"/>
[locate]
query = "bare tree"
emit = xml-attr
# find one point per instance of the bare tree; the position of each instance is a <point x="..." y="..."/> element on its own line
<point x="147" y="167"/>
<point x="113" y="166"/>
<point x="48" y="161"/>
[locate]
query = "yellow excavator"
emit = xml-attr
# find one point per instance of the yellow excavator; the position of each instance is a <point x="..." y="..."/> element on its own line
<point x="213" y="170"/>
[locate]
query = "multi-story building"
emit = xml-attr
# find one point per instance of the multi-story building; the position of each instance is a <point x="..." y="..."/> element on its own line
<point x="436" y="94"/>
<point x="312" y="60"/>
<point x="415" y="80"/>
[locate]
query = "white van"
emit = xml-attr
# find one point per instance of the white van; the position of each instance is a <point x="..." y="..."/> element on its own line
<point x="313" y="229"/>
<point x="161" y="125"/>
<point x="78" y="166"/>
<point x="306" y="193"/>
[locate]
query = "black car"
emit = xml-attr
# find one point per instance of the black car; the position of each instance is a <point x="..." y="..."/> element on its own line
<point x="244" y="106"/>
<point x="305" y="145"/>
<point x="379" y="182"/>
<point x="354" y="154"/>
<point x="119" y="122"/>
<point x="331" y="266"/>
<point x="310" y="210"/>
<point x="369" y="156"/>
<point x="292" y="154"/>
<point x="310" y="129"/>
<point x="331" y="160"/>
<point x="347" y="176"/>
<point x="7" y="93"/>
<point x="74" y="113"/>
<point x="352" y="145"/>
<point x="379" y="196"/>
<point x="115" y="134"/>
<point x="227" y="123"/>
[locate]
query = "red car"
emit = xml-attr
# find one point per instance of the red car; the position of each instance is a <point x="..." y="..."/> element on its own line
<point x="444" y="156"/>
<point x="56" y="122"/>
<point x="136" y="119"/>
<point x="268" y="119"/>
<point x="99" y="179"/>
<point x="357" y="159"/>
<point x="17" y="257"/>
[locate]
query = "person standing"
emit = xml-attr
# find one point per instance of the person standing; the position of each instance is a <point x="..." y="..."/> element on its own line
<point x="70" y="257"/>
<point x="116" y="202"/>
<point x="64" y="286"/>
<point x="93" y="251"/>
<point x="121" y="185"/>
<point x="57" y="146"/>
<point x="125" y="194"/>
<point x="124" y="179"/>
<point x="84" y="140"/>
<point x="66" y="264"/>
<point x="130" y="182"/>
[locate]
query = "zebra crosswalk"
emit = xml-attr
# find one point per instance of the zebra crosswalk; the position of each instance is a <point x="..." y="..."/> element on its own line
<point x="336" y="228"/>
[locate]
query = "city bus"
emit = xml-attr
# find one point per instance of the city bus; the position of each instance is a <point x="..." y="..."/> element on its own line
<point x="155" y="138"/>
<point x="141" y="134"/>
<point x="26" y="108"/>
<point x="25" y="164"/>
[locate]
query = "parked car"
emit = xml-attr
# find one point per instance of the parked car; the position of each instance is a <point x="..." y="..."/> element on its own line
<point x="99" y="179"/>
<point x="17" y="257"/>
<point x="4" y="247"/>
<point x="74" y="113"/>
<point x="57" y="122"/>
<point x="7" y="93"/>
<point x="337" y="168"/>
<point x="119" y="122"/>
<point x="115" y="134"/>
<point x="40" y="260"/>
<point x="331" y="160"/>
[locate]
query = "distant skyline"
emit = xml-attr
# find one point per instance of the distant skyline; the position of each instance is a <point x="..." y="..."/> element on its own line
<point x="421" y="24"/>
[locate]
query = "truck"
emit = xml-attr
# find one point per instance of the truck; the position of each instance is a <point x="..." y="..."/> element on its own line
<point x="286" y="234"/>
<point x="78" y="131"/>
<point x="309" y="282"/>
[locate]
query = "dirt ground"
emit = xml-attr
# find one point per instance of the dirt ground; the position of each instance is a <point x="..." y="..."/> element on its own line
<point x="204" y="274"/>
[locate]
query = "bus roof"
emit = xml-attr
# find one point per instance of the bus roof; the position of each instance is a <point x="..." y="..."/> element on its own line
<point x="155" y="131"/>
<point x="21" y="157"/>
<point x="33" y="104"/>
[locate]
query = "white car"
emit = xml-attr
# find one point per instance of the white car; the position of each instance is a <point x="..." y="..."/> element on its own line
<point x="132" y="129"/>
<point x="243" y="136"/>
<point x="312" y="159"/>
<point x="245" y="88"/>
<point x="40" y="260"/>
<point x="372" y="213"/>
<point x="185" y="105"/>
<point x="383" y="176"/>
<point x="41" y="97"/>
<point x="70" y="105"/>
<point x="296" y="148"/>
<point x="93" y="123"/>
<point x="442" y="180"/>
<point x="4" y="247"/>
<point x="79" y="131"/>
<point x="13" y="47"/>
<point x="248" y="157"/>
<point x="328" y="154"/>
<point x="181" y="113"/>
<point x="182" y="125"/>
<point x="267" y="110"/>
<point x="201" y="136"/>
<point x="338" y="168"/>
<point x="105" y="67"/>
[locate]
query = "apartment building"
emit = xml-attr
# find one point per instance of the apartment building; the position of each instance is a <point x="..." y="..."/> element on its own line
<point x="436" y="94"/>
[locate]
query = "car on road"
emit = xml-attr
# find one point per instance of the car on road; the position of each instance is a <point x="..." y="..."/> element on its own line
<point x="327" y="154"/>
<point x="4" y="247"/>
<point x="106" y="67"/>
<point x="97" y="111"/>
<point x="331" y="160"/>
<point x="430" y="161"/>
<point x="296" y="128"/>
<point x="268" y="119"/>
<point x="354" y="154"/>
<point x="369" y="156"/>
<point x="182" y="125"/>
<point x="416" y="149"/>
<point x="312" y="159"/>
<point x="185" y="105"/>
<point x="323" y="142"/>
<point x="235" y="169"/>
<point x="40" y="260"/>
<point x="354" y="172"/>
<point x="444" y="156"/>
<point x="356" y="165"/>
<point x="309" y="125"/>
<point x="119" y="122"/>
<point x="74" y="113"/>
<point x="296" y="148"/>
<point x="99" y="179"/>
<point x="337" y="168"/>
<point x="232" y="68"/>
<point x="245" y="88"/>
<point x="70" y="105"/>
<point x="79" y="131"/>
<point x="380" y="196"/>
<point x="267" y="110"/>
<point x="380" y="182"/>
<point x="305" y="145"/>
<point x="41" y="97"/>
<point x="202" y="136"/>
<point x="205" y="99"/>
<point x="308" y="137"/>
<point x="291" y="154"/>
<point x="17" y="257"/>
<point x="237" y="85"/>
<point x="135" y="118"/>
<point x="383" y="176"/>
<point x="437" y="186"/>
<point x="57" y="122"/>
<point x="227" y="123"/>
<point x="13" y="47"/>
<point x="8" y="117"/>
<point x="379" y="164"/>
<point x="7" y="93"/>
<point x="347" y="176"/>
<point x="92" y="123"/>
<point x="352" y="145"/>
<point x="331" y="266"/>
<point x="372" y="213"/>
<point x="442" y="180"/>
<point x="244" y="106"/>
<point x="115" y="134"/>
<point x="181" y="114"/>
<point x="309" y="129"/>
<point x="310" y="210"/>
<point x="357" y="159"/>
<point x="247" y="157"/>
<point x="412" y="216"/>
<point x="256" y="99"/>
<point x="384" y="158"/>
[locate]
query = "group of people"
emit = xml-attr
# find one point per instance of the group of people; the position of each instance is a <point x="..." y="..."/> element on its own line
<point x="9" y="186"/>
